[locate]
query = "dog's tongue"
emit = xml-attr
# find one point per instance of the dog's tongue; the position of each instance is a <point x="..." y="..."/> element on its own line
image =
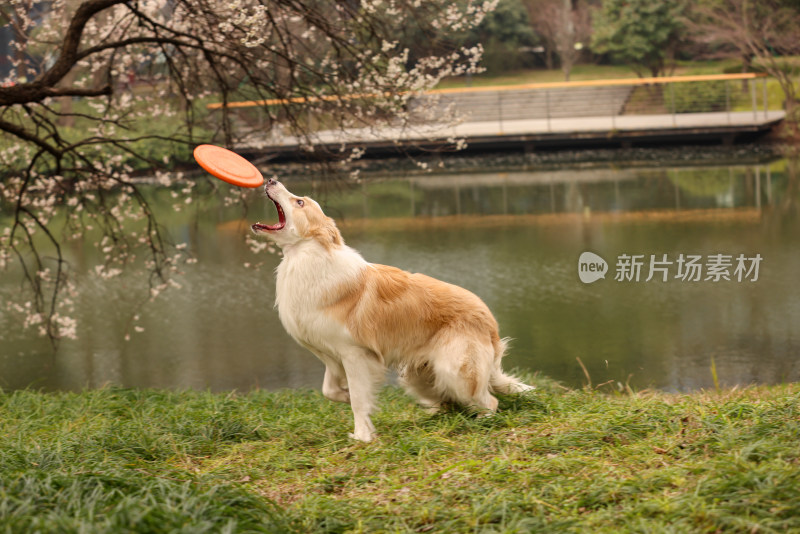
<point x="272" y="227"/>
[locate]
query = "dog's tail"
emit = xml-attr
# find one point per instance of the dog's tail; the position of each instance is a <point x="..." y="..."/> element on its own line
<point x="499" y="381"/>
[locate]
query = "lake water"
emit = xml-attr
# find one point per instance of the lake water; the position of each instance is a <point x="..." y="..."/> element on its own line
<point x="511" y="233"/>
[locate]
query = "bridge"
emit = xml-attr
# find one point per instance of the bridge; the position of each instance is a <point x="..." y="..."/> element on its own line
<point x="608" y="113"/>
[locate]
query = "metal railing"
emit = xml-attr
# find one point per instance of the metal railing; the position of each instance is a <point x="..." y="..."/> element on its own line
<point x="733" y="98"/>
<point x="675" y="95"/>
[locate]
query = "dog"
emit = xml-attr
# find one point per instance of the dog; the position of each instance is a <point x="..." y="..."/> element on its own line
<point x="360" y="318"/>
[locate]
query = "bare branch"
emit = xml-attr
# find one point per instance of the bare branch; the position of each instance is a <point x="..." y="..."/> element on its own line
<point x="72" y="40"/>
<point x="25" y="135"/>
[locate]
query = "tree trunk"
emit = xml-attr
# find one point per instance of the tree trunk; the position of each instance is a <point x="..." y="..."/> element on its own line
<point x="567" y="40"/>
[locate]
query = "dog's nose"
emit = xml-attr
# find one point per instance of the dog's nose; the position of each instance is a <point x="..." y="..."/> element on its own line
<point x="272" y="181"/>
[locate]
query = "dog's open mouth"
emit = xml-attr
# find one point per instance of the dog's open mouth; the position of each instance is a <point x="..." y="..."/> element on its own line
<point x="258" y="227"/>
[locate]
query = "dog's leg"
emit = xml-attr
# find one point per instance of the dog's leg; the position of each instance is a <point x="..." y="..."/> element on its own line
<point x="462" y="367"/>
<point x="364" y="371"/>
<point x="332" y="384"/>
<point x="419" y="382"/>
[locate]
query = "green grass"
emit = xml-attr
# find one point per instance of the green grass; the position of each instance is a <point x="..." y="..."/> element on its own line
<point x="583" y="72"/>
<point x="116" y="460"/>
<point x="579" y="73"/>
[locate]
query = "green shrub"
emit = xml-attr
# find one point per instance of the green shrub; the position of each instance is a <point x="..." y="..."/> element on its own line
<point x="698" y="97"/>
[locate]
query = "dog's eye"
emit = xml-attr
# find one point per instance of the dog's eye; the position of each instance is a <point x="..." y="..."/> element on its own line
<point x="300" y="202"/>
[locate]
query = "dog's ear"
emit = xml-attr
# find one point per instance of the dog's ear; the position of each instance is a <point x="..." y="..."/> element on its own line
<point x="312" y="223"/>
<point x="336" y="236"/>
<point x="331" y="233"/>
<point x="326" y="233"/>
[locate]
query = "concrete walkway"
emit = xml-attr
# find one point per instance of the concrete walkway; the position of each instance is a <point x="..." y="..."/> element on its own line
<point x="619" y="123"/>
<point x="624" y="129"/>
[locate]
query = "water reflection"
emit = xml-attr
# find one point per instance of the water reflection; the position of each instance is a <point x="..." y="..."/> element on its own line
<point x="569" y="190"/>
<point x="513" y="238"/>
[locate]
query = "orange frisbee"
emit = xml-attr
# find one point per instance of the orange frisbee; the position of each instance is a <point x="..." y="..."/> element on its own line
<point x="228" y="166"/>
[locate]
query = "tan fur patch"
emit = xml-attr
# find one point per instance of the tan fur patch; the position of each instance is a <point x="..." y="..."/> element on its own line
<point x="469" y="374"/>
<point x="392" y="311"/>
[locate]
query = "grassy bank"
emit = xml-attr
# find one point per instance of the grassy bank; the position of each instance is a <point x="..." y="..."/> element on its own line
<point x="586" y="71"/>
<point x="557" y="460"/>
<point x="582" y="72"/>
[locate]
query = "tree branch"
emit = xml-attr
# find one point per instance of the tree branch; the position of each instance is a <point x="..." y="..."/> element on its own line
<point x="72" y="40"/>
<point x="74" y="91"/>
<point x="42" y="86"/>
<point x="25" y="135"/>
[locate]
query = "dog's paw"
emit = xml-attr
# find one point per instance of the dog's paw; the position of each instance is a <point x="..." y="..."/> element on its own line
<point x="338" y="396"/>
<point x="365" y="437"/>
<point x="432" y="410"/>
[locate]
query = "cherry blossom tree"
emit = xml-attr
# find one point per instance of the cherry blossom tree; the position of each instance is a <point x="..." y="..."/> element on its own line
<point x="105" y="92"/>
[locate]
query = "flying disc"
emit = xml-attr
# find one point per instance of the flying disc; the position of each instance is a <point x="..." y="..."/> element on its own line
<point x="228" y="166"/>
